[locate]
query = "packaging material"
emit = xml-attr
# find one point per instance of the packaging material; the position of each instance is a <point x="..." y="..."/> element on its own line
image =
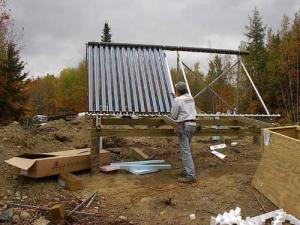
<point x="220" y="146"/>
<point x="54" y="163"/>
<point x="138" y="167"/>
<point x="218" y="154"/>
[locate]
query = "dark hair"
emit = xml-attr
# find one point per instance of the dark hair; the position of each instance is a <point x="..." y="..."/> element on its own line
<point x="182" y="92"/>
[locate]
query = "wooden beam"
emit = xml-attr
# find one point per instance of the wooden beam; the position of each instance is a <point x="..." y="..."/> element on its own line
<point x="253" y="122"/>
<point x="156" y="122"/>
<point x="170" y="132"/>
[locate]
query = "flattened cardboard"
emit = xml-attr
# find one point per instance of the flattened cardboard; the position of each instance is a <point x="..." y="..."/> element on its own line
<point x="54" y="163"/>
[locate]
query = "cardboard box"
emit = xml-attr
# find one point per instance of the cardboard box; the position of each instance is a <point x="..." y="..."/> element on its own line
<point x="54" y="163"/>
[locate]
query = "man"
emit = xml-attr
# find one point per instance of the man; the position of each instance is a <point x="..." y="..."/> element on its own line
<point x="184" y="112"/>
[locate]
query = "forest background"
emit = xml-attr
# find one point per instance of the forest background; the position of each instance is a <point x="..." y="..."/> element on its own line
<point x="273" y="63"/>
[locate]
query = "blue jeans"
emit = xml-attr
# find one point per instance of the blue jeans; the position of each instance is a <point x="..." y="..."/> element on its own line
<point x="185" y="134"/>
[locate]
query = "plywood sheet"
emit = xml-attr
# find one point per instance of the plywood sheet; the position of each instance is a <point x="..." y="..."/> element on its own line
<point x="278" y="174"/>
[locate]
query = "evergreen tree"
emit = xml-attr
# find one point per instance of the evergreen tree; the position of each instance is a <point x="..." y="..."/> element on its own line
<point x="255" y="63"/>
<point x="12" y="84"/>
<point x="106" y="34"/>
<point x="256" y="43"/>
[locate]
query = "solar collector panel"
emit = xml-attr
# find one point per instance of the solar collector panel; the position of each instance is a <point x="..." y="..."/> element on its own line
<point x="128" y="79"/>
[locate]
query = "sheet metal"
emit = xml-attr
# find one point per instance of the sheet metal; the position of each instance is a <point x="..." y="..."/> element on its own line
<point x="128" y="79"/>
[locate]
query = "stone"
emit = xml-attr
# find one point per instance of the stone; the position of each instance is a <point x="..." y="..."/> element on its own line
<point x="17" y="193"/>
<point x="5" y="139"/>
<point x="41" y="221"/>
<point x="6" y="215"/>
<point x="122" y="218"/>
<point x="56" y="199"/>
<point x="5" y="197"/>
<point x="25" y="215"/>
<point x="16" y="218"/>
<point x="24" y="197"/>
<point x="163" y="212"/>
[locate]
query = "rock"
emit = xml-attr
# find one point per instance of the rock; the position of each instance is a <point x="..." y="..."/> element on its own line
<point x="56" y="199"/>
<point x="5" y="197"/>
<point x="212" y="164"/>
<point x="9" y="192"/>
<point x="24" y="197"/>
<point x="163" y="212"/>
<point x="6" y="215"/>
<point x="19" y="146"/>
<point x="61" y="137"/>
<point x="18" y="198"/>
<point x="41" y="221"/>
<point x="24" y="215"/>
<point x="4" y="207"/>
<point x="17" y="194"/>
<point x="5" y="139"/>
<point x="16" y="218"/>
<point x="122" y="218"/>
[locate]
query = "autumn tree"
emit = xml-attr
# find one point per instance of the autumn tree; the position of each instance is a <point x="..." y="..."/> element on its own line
<point x="106" y="33"/>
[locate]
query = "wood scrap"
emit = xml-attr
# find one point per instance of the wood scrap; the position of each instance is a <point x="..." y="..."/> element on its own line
<point x="139" y="154"/>
<point x="262" y="206"/>
<point x="17" y="205"/>
<point x="92" y="199"/>
<point x="81" y="204"/>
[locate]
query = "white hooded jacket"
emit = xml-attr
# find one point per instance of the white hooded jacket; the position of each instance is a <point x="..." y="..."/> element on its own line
<point x="184" y="109"/>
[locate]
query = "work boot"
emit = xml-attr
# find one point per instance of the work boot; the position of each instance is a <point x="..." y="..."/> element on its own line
<point x="186" y="180"/>
<point x="181" y="174"/>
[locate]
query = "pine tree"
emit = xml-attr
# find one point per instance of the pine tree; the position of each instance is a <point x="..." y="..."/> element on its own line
<point x="106" y="34"/>
<point x="255" y="63"/>
<point x="12" y="84"/>
<point x="256" y="43"/>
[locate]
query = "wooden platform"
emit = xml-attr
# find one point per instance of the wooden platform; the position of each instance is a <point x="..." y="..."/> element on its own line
<point x="278" y="174"/>
<point x="158" y="126"/>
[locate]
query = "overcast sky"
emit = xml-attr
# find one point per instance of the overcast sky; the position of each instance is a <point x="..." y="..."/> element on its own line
<point x="55" y="31"/>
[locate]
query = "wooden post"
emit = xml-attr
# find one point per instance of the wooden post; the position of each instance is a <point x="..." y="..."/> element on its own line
<point x="298" y="132"/>
<point x="94" y="157"/>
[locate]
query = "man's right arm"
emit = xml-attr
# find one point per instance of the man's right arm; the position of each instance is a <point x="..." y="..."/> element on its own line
<point x="175" y="109"/>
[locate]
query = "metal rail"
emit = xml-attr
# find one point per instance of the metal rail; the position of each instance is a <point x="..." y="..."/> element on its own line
<point x="173" y="48"/>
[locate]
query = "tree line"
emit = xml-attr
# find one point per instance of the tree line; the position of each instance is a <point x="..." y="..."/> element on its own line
<point x="273" y="63"/>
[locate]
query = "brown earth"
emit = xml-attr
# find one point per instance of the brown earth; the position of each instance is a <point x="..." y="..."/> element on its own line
<point x="147" y="199"/>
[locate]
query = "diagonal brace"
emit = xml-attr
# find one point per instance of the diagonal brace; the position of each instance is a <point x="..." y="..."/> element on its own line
<point x="210" y="88"/>
<point x="216" y="79"/>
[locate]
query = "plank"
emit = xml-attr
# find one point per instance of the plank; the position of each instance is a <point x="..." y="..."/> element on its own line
<point x="253" y="122"/>
<point x="170" y="132"/>
<point x="278" y="174"/>
<point x="160" y="121"/>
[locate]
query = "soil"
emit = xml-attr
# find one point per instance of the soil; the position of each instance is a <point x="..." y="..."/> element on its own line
<point x="124" y="198"/>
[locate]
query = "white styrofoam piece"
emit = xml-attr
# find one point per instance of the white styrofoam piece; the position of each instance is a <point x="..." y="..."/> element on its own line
<point x="266" y="135"/>
<point x="234" y="217"/>
<point x="220" y="146"/>
<point x="234" y="144"/>
<point x="218" y="154"/>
